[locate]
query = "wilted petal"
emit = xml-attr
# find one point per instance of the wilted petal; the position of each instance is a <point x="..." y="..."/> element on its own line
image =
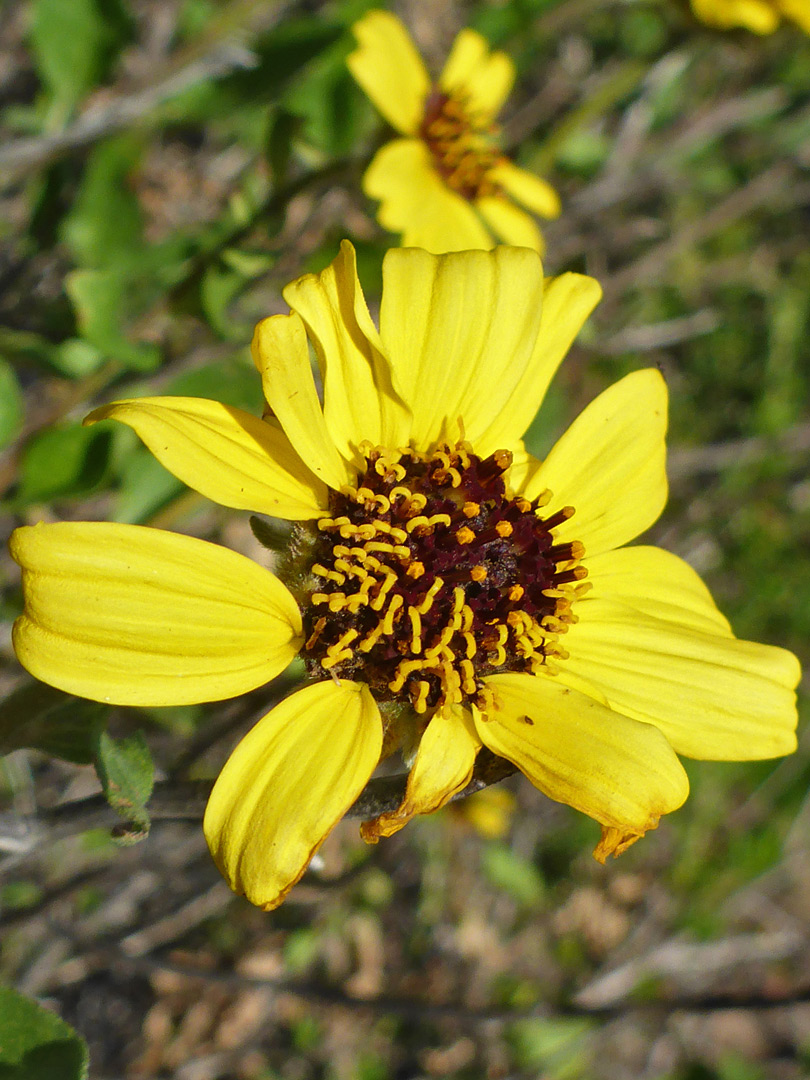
<point x="443" y="766"/>
<point x="621" y="772"/>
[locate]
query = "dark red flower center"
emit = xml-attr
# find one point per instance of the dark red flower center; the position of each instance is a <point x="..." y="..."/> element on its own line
<point x="460" y="145"/>
<point x="427" y="576"/>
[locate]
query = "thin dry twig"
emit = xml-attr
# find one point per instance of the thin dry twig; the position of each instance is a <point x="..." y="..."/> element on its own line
<point x="687" y="462"/>
<point x="123" y="111"/>
<point x="221" y="51"/>
<point x="769" y="187"/>
<point x="186" y="801"/>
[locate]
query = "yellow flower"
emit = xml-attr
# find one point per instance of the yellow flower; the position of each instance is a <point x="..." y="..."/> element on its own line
<point x="761" y="16"/>
<point x="446" y="591"/>
<point x="445" y="186"/>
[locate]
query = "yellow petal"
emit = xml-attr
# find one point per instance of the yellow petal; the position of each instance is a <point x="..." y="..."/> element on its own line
<point x="621" y="772"/>
<point x="714" y="697"/>
<point x="610" y="465"/>
<point x="390" y="70"/>
<point x="754" y="15"/>
<point x="359" y="400"/>
<point x="224" y="453"/>
<point x="524" y="465"/>
<point x="798" y="10"/>
<point x="288" y="783"/>
<point x="459" y="330"/>
<point x="443" y="766"/>
<point x="281" y="354"/>
<point x="136" y="616"/>
<point x="509" y="223"/>
<point x="568" y="300"/>
<point x="532" y="191"/>
<point x="654" y="582"/>
<point x="416" y="202"/>
<point x="481" y="79"/>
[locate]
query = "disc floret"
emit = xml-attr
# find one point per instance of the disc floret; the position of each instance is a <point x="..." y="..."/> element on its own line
<point x="427" y="576"/>
<point x="460" y="145"/>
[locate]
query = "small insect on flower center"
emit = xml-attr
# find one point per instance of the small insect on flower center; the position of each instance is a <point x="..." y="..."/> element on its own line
<point x="460" y="145"/>
<point x="426" y="577"/>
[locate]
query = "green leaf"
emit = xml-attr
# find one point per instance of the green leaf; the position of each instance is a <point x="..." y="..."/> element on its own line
<point x="105" y="225"/>
<point x="127" y="774"/>
<point x="221" y="285"/>
<point x="329" y="102"/>
<point x="280" y="54"/>
<point x="42" y="718"/>
<point x="103" y="300"/>
<point x="517" y="876"/>
<point x="232" y="381"/>
<point x="62" y="461"/>
<point x="283" y="129"/>
<point x="145" y="487"/>
<point x="559" y="1048"/>
<point x="74" y="44"/>
<point x="242" y="97"/>
<point x="11" y="405"/>
<point x="76" y="358"/>
<point x="35" y="1044"/>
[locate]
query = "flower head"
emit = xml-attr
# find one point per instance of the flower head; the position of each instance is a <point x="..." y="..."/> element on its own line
<point x="761" y="16"/>
<point x="445" y="186"/>
<point x="446" y="591"/>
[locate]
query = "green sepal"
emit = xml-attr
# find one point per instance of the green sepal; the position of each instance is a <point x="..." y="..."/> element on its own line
<point x="127" y="774"/>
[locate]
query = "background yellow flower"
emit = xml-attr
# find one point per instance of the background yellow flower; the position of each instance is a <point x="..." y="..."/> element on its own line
<point x="445" y="186"/>
<point x="761" y="16"/>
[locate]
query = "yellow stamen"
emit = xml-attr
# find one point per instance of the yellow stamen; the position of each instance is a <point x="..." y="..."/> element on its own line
<point x="420" y="701"/>
<point x="420" y="522"/>
<point x="439" y="519"/>
<point x="427" y="601"/>
<point x="416" y="629"/>
<point x="393" y="608"/>
<point x="378" y="602"/>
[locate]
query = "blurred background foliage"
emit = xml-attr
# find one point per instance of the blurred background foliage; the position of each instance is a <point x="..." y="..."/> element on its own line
<point x="167" y="166"/>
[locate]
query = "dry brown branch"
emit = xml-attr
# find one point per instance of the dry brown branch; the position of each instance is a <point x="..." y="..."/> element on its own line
<point x="771" y="187"/>
<point x="186" y="801"/>
<point x="661" y="334"/>
<point x="685" y="463"/>
<point x="221" y="51"/>
<point x="692" y="966"/>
